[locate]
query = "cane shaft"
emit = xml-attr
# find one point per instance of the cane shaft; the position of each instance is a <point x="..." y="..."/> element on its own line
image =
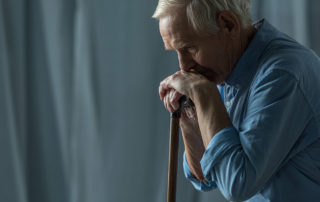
<point x="173" y="159"/>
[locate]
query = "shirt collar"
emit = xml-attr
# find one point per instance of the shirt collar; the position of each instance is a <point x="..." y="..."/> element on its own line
<point x="247" y="65"/>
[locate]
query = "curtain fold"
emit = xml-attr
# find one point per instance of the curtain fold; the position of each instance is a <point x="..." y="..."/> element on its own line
<point x="13" y="183"/>
<point x="289" y="16"/>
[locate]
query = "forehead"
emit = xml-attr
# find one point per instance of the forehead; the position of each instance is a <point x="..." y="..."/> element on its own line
<point x="175" y="31"/>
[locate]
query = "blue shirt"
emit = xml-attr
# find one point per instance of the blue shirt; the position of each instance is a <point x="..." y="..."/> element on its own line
<point x="272" y="151"/>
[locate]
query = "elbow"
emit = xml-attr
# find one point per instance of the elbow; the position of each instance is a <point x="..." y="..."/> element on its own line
<point x="237" y="196"/>
<point x="239" y="191"/>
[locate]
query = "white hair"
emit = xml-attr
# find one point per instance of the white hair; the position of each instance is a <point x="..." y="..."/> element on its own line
<point x="201" y="14"/>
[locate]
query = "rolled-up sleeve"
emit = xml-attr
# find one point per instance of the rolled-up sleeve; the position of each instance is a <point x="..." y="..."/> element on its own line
<point x="241" y="161"/>
<point x="201" y="186"/>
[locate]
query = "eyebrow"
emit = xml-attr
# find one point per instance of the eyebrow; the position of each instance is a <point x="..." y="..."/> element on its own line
<point x="180" y="46"/>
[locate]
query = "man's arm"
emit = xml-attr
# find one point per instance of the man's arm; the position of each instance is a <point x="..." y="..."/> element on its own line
<point x="211" y="112"/>
<point x="241" y="162"/>
<point x="193" y="144"/>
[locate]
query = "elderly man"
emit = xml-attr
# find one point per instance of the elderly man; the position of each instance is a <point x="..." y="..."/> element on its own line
<point x="254" y="130"/>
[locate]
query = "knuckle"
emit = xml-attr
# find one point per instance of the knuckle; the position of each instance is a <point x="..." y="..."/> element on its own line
<point x="161" y="84"/>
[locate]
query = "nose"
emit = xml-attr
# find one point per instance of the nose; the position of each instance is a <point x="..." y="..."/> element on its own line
<point x="186" y="62"/>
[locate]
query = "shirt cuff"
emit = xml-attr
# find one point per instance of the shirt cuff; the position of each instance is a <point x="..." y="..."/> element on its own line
<point x="218" y="147"/>
<point x="201" y="186"/>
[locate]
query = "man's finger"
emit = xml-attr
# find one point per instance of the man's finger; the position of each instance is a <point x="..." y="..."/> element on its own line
<point x="168" y="104"/>
<point x="175" y="99"/>
<point x="162" y="91"/>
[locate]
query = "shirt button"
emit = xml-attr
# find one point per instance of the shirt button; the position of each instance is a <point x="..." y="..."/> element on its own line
<point x="228" y="103"/>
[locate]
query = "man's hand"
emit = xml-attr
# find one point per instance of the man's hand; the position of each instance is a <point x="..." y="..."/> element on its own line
<point x="177" y="85"/>
<point x="211" y="113"/>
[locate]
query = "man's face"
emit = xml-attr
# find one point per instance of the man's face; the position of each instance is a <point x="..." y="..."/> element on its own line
<point x="206" y="55"/>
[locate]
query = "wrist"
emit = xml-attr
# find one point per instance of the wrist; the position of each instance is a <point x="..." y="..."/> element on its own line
<point x="194" y="165"/>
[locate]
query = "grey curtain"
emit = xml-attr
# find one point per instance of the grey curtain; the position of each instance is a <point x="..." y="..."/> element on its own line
<point x="80" y="117"/>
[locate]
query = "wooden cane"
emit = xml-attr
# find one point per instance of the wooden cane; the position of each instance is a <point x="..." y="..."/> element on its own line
<point x="173" y="156"/>
<point x="174" y="147"/>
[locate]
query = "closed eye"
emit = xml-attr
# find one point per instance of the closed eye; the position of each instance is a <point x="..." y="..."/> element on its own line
<point x="190" y="49"/>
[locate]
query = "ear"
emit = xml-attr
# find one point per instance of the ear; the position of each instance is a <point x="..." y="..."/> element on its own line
<point x="228" y="23"/>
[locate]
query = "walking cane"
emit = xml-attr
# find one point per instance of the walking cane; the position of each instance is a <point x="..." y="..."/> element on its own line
<point x="173" y="149"/>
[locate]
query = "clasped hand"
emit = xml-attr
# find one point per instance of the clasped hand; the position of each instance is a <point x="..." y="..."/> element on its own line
<point x="175" y="86"/>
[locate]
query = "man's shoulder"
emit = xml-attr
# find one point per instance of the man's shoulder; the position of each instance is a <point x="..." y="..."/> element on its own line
<point x="293" y="63"/>
<point x="289" y="56"/>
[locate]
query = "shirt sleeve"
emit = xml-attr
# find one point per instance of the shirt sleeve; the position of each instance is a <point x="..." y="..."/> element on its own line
<point x="201" y="186"/>
<point x="241" y="161"/>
